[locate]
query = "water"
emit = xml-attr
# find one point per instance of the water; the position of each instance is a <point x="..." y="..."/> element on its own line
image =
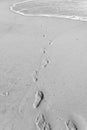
<point x="76" y="9"/>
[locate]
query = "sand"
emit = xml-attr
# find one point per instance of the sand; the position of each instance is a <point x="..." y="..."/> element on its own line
<point x="26" y="44"/>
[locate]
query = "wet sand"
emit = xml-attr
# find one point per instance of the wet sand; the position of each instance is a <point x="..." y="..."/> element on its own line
<point x="63" y="79"/>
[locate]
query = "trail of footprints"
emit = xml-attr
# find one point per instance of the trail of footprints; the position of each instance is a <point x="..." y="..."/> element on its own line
<point x="40" y="121"/>
<point x="39" y="95"/>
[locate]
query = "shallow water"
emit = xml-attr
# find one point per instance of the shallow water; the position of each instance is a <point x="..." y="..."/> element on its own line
<point x="73" y="9"/>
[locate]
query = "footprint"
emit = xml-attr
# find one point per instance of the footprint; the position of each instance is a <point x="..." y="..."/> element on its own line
<point x="39" y="96"/>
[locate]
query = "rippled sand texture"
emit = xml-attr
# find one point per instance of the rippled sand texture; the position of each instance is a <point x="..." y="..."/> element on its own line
<point x="76" y="9"/>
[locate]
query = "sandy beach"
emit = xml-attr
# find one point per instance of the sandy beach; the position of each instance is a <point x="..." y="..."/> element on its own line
<point x="47" y="54"/>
